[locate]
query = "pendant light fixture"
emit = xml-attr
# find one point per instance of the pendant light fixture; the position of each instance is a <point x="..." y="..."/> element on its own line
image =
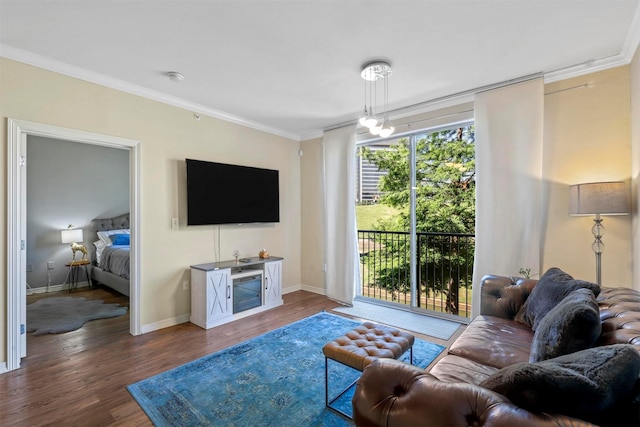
<point x="367" y="119"/>
<point x="385" y="128"/>
<point x="371" y="72"/>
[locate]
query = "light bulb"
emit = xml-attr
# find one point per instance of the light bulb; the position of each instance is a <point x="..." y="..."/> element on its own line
<point x="370" y="120"/>
<point x="375" y="130"/>
<point x="386" y="129"/>
<point x="363" y="118"/>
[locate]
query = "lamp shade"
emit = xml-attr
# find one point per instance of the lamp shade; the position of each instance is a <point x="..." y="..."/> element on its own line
<point x="604" y="198"/>
<point x="71" y="235"/>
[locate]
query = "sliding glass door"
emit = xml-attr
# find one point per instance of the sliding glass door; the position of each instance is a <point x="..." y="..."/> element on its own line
<point x="416" y="218"/>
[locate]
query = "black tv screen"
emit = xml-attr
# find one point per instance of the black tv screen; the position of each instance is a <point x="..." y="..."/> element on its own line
<point x="219" y="193"/>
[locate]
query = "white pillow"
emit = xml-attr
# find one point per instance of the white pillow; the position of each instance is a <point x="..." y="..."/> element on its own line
<point x="104" y="235"/>
<point x="99" y="244"/>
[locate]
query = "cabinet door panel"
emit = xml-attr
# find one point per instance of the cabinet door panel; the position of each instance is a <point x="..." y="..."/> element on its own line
<point x="273" y="282"/>
<point x="219" y="294"/>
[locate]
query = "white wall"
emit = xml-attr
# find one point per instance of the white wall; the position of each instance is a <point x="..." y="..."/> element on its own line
<point x="68" y="183"/>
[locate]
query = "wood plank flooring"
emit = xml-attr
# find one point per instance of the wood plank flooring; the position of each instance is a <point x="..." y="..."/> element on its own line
<point x="79" y="378"/>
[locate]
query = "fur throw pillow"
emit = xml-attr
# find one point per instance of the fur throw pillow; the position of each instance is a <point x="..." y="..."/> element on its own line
<point x="584" y="384"/>
<point x="570" y="326"/>
<point x="552" y="287"/>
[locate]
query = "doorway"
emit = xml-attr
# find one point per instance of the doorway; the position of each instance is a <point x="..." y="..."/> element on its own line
<point x="18" y="130"/>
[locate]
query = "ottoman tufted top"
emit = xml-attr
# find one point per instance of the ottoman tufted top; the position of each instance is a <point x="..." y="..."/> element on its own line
<point x="366" y="343"/>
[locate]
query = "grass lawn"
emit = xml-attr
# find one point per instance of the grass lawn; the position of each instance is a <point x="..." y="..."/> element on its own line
<point x="368" y="215"/>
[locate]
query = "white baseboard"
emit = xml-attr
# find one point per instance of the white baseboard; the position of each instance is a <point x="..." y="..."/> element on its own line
<point x="313" y="289"/>
<point x="184" y="318"/>
<point x="3" y="368"/>
<point x="55" y="288"/>
<point x="290" y="289"/>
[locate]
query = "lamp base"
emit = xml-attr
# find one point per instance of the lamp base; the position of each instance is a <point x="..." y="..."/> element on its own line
<point x="79" y="248"/>
<point x="598" y="246"/>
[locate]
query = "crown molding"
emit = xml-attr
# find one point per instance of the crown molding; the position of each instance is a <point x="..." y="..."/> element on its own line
<point x="113" y="83"/>
<point x="311" y="135"/>
<point x="632" y="41"/>
<point x="629" y="48"/>
<point x="588" y="67"/>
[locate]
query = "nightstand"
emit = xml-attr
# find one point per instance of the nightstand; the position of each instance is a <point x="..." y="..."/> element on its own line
<point x="74" y="272"/>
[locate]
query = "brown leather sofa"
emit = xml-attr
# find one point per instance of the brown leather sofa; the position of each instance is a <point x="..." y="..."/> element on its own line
<point x="391" y="393"/>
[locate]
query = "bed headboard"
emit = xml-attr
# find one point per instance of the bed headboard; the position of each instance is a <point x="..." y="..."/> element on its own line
<point x="115" y="223"/>
<point x="104" y="224"/>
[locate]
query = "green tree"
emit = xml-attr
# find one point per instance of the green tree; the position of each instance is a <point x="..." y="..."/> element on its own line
<point x="445" y="203"/>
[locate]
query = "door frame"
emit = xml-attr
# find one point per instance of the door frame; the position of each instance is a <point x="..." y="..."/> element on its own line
<point x="17" y="132"/>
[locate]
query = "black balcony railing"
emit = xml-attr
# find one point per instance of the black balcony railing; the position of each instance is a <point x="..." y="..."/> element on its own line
<point x="444" y="269"/>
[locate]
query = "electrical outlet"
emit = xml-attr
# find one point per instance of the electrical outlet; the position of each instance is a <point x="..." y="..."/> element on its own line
<point x="51" y="265"/>
<point x="185" y="285"/>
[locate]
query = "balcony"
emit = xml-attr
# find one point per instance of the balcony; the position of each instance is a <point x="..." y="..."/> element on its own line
<point x="444" y="269"/>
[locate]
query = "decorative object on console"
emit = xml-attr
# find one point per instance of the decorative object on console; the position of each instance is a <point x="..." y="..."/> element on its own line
<point x="71" y="235"/>
<point x="599" y="198"/>
<point x="263" y="254"/>
<point x="372" y="72"/>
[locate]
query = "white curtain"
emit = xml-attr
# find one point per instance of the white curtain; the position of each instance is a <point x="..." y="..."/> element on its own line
<point x="340" y="236"/>
<point x="509" y="188"/>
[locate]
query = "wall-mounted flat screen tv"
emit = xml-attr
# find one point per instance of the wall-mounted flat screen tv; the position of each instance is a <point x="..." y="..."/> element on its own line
<point x="219" y="193"/>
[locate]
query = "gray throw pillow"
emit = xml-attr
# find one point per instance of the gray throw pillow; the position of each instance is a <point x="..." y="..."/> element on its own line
<point x="552" y="287"/>
<point x="572" y="325"/>
<point x="584" y="384"/>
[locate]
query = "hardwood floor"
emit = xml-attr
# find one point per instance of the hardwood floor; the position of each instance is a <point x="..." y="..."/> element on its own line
<point x="79" y="378"/>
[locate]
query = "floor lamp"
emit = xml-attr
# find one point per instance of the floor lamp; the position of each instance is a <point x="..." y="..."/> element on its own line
<point x="599" y="198"/>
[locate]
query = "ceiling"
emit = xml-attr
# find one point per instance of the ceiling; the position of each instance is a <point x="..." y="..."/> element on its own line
<point x="292" y="68"/>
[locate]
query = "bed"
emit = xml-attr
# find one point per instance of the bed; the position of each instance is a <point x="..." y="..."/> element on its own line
<point x="110" y="248"/>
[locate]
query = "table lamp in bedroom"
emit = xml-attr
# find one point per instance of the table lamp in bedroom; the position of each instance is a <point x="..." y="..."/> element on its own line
<point x="71" y="235"/>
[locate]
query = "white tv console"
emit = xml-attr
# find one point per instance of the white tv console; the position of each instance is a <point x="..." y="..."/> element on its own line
<point x="225" y="291"/>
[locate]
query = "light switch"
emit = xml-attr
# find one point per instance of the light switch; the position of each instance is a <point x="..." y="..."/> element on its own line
<point x="174" y="223"/>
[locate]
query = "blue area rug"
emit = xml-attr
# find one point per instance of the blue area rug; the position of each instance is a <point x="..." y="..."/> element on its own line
<point x="276" y="379"/>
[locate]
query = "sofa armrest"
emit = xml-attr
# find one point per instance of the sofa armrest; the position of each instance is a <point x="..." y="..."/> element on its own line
<point x="503" y="296"/>
<point x="394" y="394"/>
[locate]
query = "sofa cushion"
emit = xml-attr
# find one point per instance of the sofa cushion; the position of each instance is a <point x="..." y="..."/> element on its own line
<point x="455" y="369"/>
<point x="584" y="384"/>
<point x="494" y="341"/>
<point x="552" y="287"/>
<point x="572" y="325"/>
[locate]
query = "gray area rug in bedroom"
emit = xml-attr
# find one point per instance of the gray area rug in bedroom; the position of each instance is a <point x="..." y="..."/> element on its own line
<point x="63" y="314"/>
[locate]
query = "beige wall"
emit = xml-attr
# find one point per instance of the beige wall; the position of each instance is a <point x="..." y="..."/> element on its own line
<point x="586" y="139"/>
<point x="635" y="158"/>
<point x="168" y="135"/>
<point x="312" y="198"/>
